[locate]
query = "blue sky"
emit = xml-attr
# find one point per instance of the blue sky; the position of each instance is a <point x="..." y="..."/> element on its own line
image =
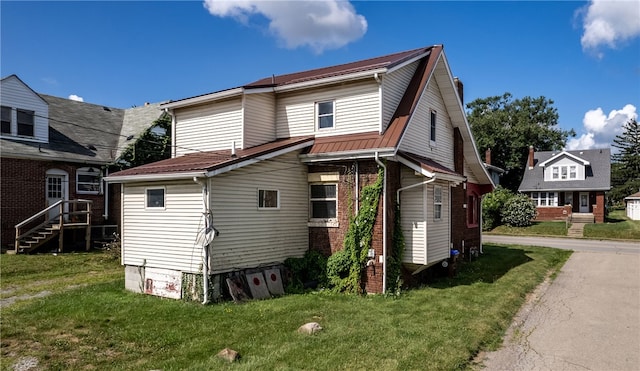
<point x="583" y="55"/>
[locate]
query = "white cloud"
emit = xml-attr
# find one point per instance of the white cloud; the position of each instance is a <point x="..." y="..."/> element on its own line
<point x="76" y="98"/>
<point x="320" y="25"/>
<point x="601" y="129"/>
<point x="609" y="23"/>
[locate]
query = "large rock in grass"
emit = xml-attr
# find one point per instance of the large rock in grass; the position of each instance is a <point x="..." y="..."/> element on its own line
<point x="309" y="328"/>
<point x="228" y="354"/>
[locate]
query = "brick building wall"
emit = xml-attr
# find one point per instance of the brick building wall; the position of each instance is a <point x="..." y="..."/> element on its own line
<point x="22" y="187"/>
<point x="553" y="213"/>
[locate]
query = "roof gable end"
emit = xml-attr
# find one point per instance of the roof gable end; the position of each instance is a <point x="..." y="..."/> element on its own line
<point x="564" y="154"/>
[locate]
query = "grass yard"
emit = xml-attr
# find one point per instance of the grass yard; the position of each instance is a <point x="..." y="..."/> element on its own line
<point x="617" y="226"/>
<point x="100" y="326"/>
<point x="558" y="228"/>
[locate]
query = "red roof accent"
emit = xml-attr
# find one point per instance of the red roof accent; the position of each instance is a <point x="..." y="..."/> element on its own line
<point x="391" y="137"/>
<point x="386" y="61"/>
<point x="427" y="163"/>
<point x="210" y="160"/>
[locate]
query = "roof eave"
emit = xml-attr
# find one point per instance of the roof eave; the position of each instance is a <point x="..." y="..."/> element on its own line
<point x="138" y="178"/>
<point x="330" y="80"/>
<point x="347" y="155"/>
<point x="230" y="93"/>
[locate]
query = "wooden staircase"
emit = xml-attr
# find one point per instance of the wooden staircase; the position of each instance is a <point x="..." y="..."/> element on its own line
<point x="57" y="218"/>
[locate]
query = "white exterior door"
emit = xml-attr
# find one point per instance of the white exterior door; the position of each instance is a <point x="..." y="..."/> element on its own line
<point x="56" y="189"/>
<point x="584" y="202"/>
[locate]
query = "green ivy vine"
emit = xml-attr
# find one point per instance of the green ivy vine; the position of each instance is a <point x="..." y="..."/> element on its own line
<point x="394" y="260"/>
<point x="344" y="268"/>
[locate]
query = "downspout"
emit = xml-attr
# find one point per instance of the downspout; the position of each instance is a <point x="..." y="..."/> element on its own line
<point x="205" y="245"/>
<point x="173" y="131"/>
<point x="106" y="194"/>
<point x="357" y="187"/>
<point x="384" y="224"/>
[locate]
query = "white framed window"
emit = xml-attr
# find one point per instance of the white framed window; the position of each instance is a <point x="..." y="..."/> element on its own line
<point x="563" y="172"/>
<point x="323" y="202"/>
<point x="555" y="171"/>
<point x="5" y="125"/>
<point x="268" y="199"/>
<point x="437" y="202"/>
<point x="88" y="180"/>
<point x="573" y="172"/>
<point x="25" y="122"/>
<point x="155" y="198"/>
<point x="432" y="134"/>
<point x="545" y="198"/>
<point x="325" y="115"/>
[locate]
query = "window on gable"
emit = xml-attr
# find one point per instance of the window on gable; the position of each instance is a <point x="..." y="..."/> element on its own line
<point x="572" y="172"/>
<point x="433" y="126"/>
<point x="155" y="198"/>
<point x="325" y="112"/>
<point x="25" y="122"/>
<point x="268" y="199"/>
<point x="563" y="172"/>
<point x="437" y="202"/>
<point x="556" y="172"/>
<point x="88" y="180"/>
<point x="323" y="201"/>
<point x="6" y="120"/>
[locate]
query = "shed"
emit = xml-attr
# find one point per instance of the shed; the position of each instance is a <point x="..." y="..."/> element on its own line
<point x="633" y="206"/>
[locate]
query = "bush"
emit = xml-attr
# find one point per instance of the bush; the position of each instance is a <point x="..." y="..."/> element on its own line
<point x="312" y="267"/>
<point x="519" y="211"/>
<point x="492" y="206"/>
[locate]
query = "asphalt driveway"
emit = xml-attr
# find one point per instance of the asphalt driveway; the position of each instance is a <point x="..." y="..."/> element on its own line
<point x="588" y="318"/>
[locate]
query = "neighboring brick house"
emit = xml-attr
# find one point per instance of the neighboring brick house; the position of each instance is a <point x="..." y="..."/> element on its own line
<point x="568" y="183"/>
<point x="268" y="170"/>
<point x="58" y="149"/>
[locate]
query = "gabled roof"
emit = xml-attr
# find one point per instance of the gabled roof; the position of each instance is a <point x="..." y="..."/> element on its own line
<point x="354" y="70"/>
<point x="429" y="166"/>
<point x="209" y="163"/>
<point x="635" y="196"/>
<point x="598" y="177"/>
<point x="14" y="76"/>
<point x="564" y="154"/>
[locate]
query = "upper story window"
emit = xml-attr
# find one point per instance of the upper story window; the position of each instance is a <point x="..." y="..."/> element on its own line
<point x="88" y="180"/>
<point x="432" y="135"/>
<point x="437" y="202"/>
<point x="6" y="120"/>
<point x="564" y="172"/>
<point x="25" y="122"/>
<point x="326" y="116"/>
<point x="268" y="199"/>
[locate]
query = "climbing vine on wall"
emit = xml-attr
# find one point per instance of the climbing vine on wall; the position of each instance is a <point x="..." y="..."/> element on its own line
<point x="344" y="268"/>
<point x="394" y="259"/>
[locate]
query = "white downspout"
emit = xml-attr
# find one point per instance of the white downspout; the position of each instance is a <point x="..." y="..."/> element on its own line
<point x="205" y="246"/>
<point x="106" y="195"/>
<point x="357" y="187"/>
<point x="384" y="224"/>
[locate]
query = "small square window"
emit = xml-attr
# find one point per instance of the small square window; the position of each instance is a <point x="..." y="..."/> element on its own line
<point x="323" y="201"/>
<point x="88" y="180"/>
<point x="268" y="199"/>
<point x="325" y="115"/>
<point x="155" y="198"/>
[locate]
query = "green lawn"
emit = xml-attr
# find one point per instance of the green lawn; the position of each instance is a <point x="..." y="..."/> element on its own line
<point x="558" y="228"/>
<point x="617" y="226"/>
<point x="438" y="327"/>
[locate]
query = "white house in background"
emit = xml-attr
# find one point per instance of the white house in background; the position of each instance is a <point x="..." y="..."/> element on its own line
<point x="633" y="206"/>
<point x="268" y="170"/>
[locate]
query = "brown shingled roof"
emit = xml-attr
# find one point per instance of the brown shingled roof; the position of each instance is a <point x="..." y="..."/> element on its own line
<point x="210" y="160"/>
<point x="386" y="61"/>
<point x="391" y="137"/>
<point x="427" y="163"/>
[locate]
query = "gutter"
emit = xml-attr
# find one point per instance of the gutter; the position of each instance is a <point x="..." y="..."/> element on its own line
<point x="153" y="177"/>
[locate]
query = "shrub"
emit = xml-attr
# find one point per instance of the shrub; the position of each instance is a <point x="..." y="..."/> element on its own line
<point x="311" y="267"/>
<point x="492" y="206"/>
<point x="519" y="211"/>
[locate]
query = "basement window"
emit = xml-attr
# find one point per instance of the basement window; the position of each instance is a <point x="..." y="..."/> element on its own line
<point x="88" y="180"/>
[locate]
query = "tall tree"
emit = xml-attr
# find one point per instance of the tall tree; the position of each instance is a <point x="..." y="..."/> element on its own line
<point x="154" y="144"/>
<point x="509" y="126"/>
<point x="625" y="169"/>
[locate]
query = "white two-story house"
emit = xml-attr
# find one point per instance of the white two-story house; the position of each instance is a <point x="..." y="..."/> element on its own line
<point x="566" y="184"/>
<point x="268" y="170"/>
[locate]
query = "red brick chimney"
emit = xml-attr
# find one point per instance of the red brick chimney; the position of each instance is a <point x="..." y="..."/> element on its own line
<point x="530" y="157"/>
<point x="460" y="88"/>
<point x="487" y="156"/>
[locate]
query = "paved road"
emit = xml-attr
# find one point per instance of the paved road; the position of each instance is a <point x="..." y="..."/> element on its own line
<point x="588" y="318"/>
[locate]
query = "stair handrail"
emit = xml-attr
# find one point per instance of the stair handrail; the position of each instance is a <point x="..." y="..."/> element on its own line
<point x="41" y="213"/>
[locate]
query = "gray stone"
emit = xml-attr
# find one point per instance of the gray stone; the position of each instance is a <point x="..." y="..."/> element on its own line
<point x="228" y="354"/>
<point x="309" y="328"/>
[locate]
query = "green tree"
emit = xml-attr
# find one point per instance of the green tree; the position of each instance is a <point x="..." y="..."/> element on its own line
<point x="154" y="144"/>
<point x="509" y="126"/>
<point x="625" y="169"/>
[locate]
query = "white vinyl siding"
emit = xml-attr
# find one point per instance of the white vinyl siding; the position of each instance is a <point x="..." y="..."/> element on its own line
<point x="357" y="109"/>
<point x="250" y="237"/>
<point x="427" y="240"/>
<point x="417" y="136"/>
<point x="414" y="223"/>
<point x="18" y="96"/>
<point x="162" y="237"/>
<point x="438" y="231"/>
<point x="563" y="166"/>
<point x="393" y="89"/>
<point x="208" y="127"/>
<point x="259" y="119"/>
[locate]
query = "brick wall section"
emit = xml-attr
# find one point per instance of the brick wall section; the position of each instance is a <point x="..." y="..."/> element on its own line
<point x="553" y="213"/>
<point x="598" y="208"/>
<point x="328" y="240"/>
<point x="22" y="186"/>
